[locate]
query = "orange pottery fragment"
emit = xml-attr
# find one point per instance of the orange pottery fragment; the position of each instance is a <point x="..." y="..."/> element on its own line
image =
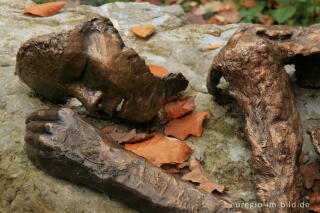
<point x="198" y="175"/>
<point x="161" y="150"/>
<point x="179" y="108"/>
<point x="213" y="47"/>
<point x="46" y="9"/>
<point x="144" y="31"/>
<point x="189" y="125"/>
<point x="158" y="70"/>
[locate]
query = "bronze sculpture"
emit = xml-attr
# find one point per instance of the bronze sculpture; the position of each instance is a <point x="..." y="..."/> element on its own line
<point x="253" y="64"/>
<point x="92" y="63"/>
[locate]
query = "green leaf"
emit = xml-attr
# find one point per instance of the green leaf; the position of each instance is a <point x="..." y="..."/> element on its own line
<point x="284" y="2"/>
<point x="283" y="14"/>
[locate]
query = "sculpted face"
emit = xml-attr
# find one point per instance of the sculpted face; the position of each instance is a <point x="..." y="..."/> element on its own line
<point x="92" y="64"/>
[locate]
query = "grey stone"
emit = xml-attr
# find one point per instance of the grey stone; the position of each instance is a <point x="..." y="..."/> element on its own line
<point x="177" y="45"/>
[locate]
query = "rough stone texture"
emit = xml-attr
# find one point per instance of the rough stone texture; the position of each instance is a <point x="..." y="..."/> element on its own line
<point x="176" y="45"/>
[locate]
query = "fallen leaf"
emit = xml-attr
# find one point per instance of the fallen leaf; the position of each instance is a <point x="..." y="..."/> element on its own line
<point x="301" y="156"/>
<point x="172" y="168"/>
<point x="265" y="20"/>
<point x="213" y="47"/>
<point x="213" y="20"/>
<point x="140" y="137"/>
<point x="154" y="2"/>
<point x="314" y="201"/>
<point x="192" y="3"/>
<point x="198" y="175"/>
<point x="189" y="125"/>
<point x="248" y="3"/>
<point x="182" y="165"/>
<point x="161" y="150"/>
<point x="125" y="137"/>
<point x="179" y="108"/>
<point x="144" y="31"/>
<point x="46" y="9"/>
<point x="316" y="186"/>
<point x="214" y="6"/>
<point x="310" y="173"/>
<point x="158" y="70"/>
<point x="196" y="19"/>
<point x="215" y="33"/>
<point x="228" y="16"/>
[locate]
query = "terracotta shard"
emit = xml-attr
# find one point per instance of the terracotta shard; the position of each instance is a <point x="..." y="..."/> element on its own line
<point x="252" y="63"/>
<point x="144" y="31"/>
<point x="161" y="150"/>
<point x="189" y="125"/>
<point x="67" y="147"/>
<point x="46" y="9"/>
<point x="198" y="175"/>
<point x="179" y="108"/>
<point x="92" y="63"/>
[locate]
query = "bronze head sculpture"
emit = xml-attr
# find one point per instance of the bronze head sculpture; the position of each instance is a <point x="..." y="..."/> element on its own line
<point x="92" y="63"/>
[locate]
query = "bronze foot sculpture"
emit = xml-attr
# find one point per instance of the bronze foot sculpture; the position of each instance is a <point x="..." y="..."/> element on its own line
<point x="253" y="64"/>
<point x="66" y="146"/>
<point x="92" y="63"/>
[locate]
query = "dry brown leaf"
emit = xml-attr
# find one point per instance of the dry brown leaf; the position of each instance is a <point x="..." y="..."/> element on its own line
<point x="140" y="137"/>
<point x="196" y="19"/>
<point x="314" y="201"/>
<point x="228" y="16"/>
<point x="213" y="47"/>
<point x="172" y="168"/>
<point x="155" y="2"/>
<point x="265" y="20"/>
<point x="158" y="70"/>
<point x="125" y="137"/>
<point x="144" y="31"/>
<point x="179" y="108"/>
<point x="161" y="150"/>
<point x="214" y="6"/>
<point x="301" y="156"/>
<point x="310" y="173"/>
<point x="248" y="3"/>
<point x="198" y="175"/>
<point x="46" y="9"/>
<point x="189" y="125"/>
<point x="182" y="165"/>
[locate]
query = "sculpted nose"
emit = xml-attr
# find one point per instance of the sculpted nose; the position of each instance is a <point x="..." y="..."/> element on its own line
<point x="91" y="99"/>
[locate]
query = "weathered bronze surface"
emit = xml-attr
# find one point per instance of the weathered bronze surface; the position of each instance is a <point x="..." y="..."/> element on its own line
<point x="315" y="139"/>
<point x="253" y="64"/>
<point x="66" y="146"/>
<point x="92" y="63"/>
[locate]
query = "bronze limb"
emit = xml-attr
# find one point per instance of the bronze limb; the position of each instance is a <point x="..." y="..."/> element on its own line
<point x="253" y="64"/>
<point x="64" y="145"/>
